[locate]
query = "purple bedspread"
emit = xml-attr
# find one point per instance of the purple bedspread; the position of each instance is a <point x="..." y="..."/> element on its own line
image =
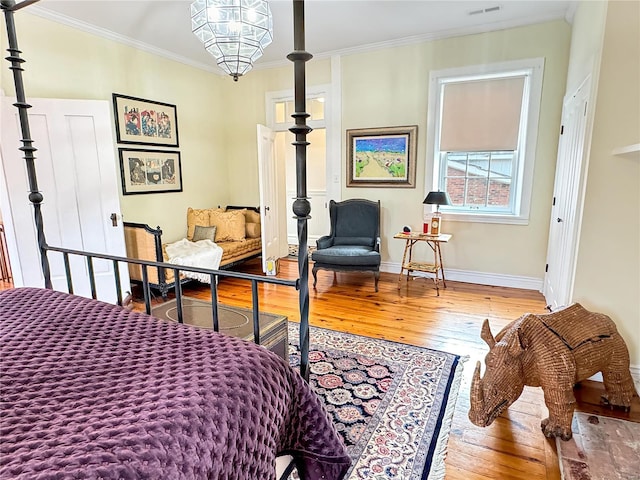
<point x="91" y="390"/>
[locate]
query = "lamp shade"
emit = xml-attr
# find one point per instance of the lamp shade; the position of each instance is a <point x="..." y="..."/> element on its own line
<point x="235" y="32"/>
<point x="437" y="198"/>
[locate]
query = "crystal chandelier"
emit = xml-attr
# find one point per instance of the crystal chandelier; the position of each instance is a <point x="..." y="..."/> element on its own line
<point x="235" y="32"/>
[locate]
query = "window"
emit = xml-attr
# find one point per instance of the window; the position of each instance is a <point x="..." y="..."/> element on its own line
<point x="483" y="130"/>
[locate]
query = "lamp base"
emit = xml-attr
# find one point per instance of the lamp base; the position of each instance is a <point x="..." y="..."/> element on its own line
<point x="436" y="220"/>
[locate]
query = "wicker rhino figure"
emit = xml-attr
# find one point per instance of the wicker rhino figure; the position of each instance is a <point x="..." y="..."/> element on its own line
<point x="552" y="351"/>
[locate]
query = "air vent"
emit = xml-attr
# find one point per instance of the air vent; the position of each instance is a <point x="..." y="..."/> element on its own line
<point x="486" y="10"/>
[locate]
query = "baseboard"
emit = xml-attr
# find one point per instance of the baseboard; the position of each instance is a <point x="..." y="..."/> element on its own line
<point x="482" y="278"/>
<point x="635" y="374"/>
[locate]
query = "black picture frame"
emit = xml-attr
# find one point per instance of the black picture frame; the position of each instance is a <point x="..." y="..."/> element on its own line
<point x="145" y="122"/>
<point x="150" y="171"/>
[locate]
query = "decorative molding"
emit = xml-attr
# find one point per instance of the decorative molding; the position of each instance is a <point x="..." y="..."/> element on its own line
<point x="482" y="278"/>
<point x="429" y="37"/>
<point x="635" y="374"/>
<point x="454" y="32"/>
<point x="116" y="37"/>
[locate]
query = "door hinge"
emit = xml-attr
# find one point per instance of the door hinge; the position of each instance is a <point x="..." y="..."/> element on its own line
<point x="554" y="202"/>
<point x="561" y="129"/>
<point x="546" y="268"/>
<point x="585" y="109"/>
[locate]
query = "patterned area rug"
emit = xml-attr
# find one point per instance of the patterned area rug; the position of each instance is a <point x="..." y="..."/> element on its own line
<point x="392" y="403"/>
<point x="293" y="250"/>
<point x="602" y="448"/>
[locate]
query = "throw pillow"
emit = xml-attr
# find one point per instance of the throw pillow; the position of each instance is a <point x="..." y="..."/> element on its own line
<point x="198" y="217"/>
<point x="251" y="216"/>
<point x="230" y="225"/>
<point x="252" y="230"/>
<point x="204" y="233"/>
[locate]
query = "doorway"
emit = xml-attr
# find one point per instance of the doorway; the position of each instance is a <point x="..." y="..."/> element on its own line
<point x="568" y="194"/>
<point x="280" y="106"/>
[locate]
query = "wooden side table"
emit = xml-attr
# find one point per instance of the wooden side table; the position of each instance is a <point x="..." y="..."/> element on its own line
<point x="436" y="268"/>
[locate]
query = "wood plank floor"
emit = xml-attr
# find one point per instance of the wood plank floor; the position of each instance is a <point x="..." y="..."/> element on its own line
<point x="513" y="447"/>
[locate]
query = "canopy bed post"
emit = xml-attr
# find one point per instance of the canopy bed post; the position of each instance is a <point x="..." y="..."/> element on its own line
<point x="35" y="196"/>
<point x="301" y="205"/>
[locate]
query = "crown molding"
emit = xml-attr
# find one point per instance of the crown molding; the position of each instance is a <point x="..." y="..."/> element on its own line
<point x="428" y="37"/>
<point x="115" y="37"/>
<point x="415" y="39"/>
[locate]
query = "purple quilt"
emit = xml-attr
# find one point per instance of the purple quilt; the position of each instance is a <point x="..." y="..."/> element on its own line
<point x="93" y="391"/>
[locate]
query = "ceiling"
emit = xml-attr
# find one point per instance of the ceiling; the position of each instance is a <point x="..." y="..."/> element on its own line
<point x="332" y="26"/>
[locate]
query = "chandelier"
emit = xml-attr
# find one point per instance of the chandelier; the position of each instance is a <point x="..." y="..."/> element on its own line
<point x="235" y="32"/>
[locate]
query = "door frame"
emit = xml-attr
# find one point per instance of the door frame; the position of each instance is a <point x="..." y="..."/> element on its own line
<point x="584" y="92"/>
<point x="333" y="177"/>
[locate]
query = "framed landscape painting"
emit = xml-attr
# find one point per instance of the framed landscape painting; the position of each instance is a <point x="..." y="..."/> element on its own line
<point x="382" y="157"/>
<point x="150" y="171"/>
<point x="145" y="122"/>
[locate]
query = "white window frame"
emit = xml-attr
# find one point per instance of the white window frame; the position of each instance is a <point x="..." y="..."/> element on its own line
<point x="523" y="178"/>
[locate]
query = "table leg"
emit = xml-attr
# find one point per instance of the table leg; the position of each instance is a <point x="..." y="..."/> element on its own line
<point x="444" y="281"/>
<point x="404" y="257"/>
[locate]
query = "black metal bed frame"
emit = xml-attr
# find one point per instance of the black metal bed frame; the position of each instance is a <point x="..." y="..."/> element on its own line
<point x="301" y="205"/>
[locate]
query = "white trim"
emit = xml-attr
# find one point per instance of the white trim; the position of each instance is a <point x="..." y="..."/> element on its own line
<point x="481" y="278"/>
<point x="633" y="369"/>
<point x="635" y="374"/>
<point x="213" y="68"/>
<point x="116" y="37"/>
<point x="523" y="179"/>
<point x="334" y="137"/>
<point x="427" y="37"/>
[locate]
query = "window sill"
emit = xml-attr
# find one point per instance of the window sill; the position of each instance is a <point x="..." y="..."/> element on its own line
<point x="485" y="218"/>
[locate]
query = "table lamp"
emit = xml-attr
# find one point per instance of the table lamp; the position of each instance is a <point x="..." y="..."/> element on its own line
<point x="437" y="198"/>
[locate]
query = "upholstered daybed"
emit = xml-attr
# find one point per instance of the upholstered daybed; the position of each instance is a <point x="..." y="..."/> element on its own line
<point x="235" y="229"/>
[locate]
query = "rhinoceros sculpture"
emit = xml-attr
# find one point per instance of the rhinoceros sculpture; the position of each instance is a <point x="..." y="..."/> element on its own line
<point x="553" y="351"/>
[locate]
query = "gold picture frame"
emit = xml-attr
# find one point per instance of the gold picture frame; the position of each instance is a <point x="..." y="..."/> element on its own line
<point x="382" y="157"/>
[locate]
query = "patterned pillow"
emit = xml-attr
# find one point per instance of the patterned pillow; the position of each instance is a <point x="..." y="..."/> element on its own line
<point x="198" y="217"/>
<point x="252" y="230"/>
<point x="204" y="233"/>
<point x="230" y="225"/>
<point x="251" y="216"/>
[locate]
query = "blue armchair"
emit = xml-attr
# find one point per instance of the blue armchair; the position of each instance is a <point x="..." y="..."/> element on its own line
<point x="354" y="241"/>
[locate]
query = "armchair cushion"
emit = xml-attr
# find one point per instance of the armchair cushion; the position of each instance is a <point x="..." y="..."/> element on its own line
<point x="365" y="241"/>
<point x="353" y="255"/>
<point x="354" y="240"/>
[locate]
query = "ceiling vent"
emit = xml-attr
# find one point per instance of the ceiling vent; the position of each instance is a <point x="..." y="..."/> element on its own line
<point x="486" y="10"/>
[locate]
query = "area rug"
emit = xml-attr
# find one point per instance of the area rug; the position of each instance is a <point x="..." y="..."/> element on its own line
<point x="602" y="448"/>
<point x="293" y="250"/>
<point x="391" y="403"/>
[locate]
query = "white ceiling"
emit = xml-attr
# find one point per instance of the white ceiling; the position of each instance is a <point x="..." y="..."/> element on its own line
<point x="332" y="26"/>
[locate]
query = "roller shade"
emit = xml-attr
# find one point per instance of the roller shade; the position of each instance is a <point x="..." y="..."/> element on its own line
<point x="481" y="115"/>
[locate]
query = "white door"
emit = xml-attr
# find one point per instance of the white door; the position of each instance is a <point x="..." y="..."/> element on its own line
<point x="76" y="171"/>
<point x="270" y="204"/>
<point x="566" y="211"/>
<point x="320" y="176"/>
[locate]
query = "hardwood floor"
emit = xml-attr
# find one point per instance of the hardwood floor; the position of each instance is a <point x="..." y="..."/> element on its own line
<point x="513" y="447"/>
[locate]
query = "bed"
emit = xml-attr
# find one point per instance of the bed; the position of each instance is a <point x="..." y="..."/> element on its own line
<point x="92" y="390"/>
